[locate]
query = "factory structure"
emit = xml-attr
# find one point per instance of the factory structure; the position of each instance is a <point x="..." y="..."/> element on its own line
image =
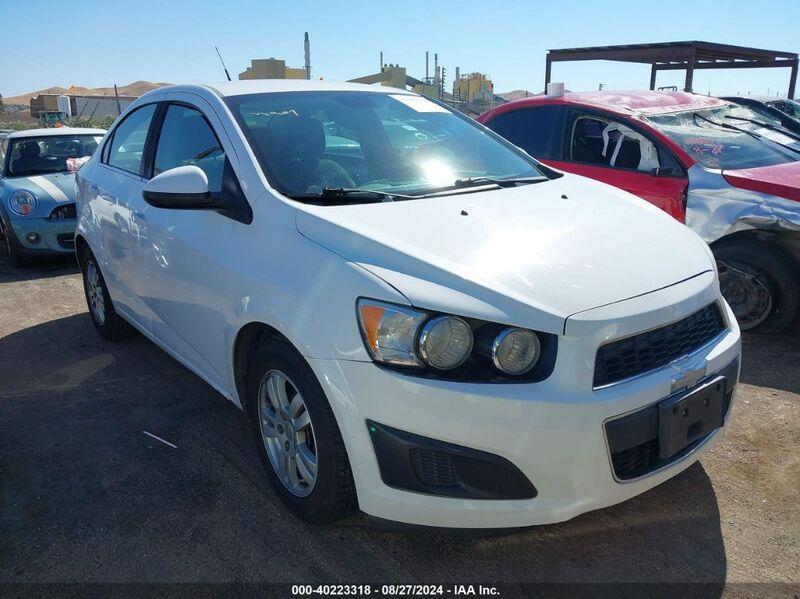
<point x="271" y="68"/>
<point x="472" y="93"/>
<point x="274" y="68"/>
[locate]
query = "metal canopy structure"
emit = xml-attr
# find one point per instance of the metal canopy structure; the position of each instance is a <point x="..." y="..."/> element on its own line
<point x="688" y="56"/>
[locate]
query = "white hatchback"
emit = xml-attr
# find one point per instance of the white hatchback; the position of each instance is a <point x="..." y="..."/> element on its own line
<point x="419" y="319"/>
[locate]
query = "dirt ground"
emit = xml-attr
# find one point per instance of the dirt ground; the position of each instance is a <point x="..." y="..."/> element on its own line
<point x="86" y="496"/>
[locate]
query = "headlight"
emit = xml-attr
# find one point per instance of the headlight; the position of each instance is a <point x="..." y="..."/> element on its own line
<point x="445" y="342"/>
<point x="516" y="351"/>
<point x="22" y="202"/>
<point x="390" y="331"/>
<point x="445" y="345"/>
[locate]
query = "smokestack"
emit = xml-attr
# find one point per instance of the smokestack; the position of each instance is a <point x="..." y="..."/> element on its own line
<point x="307" y="47"/>
<point x="427" y="72"/>
<point x="436" y="67"/>
<point x="381" y="69"/>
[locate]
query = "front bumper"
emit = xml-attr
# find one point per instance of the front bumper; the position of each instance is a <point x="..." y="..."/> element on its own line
<point x="55" y="236"/>
<point x="552" y="431"/>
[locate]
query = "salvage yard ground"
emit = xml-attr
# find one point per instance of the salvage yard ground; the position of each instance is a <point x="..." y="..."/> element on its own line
<point x="86" y="496"/>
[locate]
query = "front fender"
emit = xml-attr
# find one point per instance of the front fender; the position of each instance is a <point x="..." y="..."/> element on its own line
<point x="316" y="314"/>
<point x="715" y="208"/>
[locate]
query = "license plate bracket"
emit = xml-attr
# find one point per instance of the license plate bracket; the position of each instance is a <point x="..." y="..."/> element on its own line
<point x="684" y="419"/>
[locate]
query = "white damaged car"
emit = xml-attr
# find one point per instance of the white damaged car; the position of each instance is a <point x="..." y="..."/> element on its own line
<point x="440" y="332"/>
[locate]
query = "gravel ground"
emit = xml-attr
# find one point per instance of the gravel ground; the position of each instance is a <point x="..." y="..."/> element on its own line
<point x="86" y="496"/>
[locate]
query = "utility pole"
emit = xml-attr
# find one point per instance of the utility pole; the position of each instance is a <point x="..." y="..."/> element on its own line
<point x="307" y="49"/>
<point x="116" y="95"/>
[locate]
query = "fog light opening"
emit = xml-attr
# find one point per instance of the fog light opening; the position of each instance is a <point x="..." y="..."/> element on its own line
<point x="33" y="237"/>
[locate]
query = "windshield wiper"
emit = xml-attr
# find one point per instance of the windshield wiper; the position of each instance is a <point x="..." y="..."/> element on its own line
<point x="476" y="181"/>
<point x="349" y="195"/>
<point x="746" y="132"/>
<point x="726" y="125"/>
<point x="769" y="126"/>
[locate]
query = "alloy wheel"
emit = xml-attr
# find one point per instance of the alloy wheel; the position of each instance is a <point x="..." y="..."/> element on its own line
<point x="94" y="291"/>
<point x="287" y="433"/>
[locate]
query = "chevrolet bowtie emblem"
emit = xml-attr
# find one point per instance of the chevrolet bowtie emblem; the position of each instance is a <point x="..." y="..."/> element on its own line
<point x="688" y="375"/>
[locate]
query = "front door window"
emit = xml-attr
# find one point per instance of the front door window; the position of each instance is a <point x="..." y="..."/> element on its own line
<point x="607" y="143"/>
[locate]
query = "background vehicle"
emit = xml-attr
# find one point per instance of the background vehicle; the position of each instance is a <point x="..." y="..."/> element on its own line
<point x="52" y="118"/>
<point x="412" y="327"/>
<point x="787" y="112"/>
<point x="720" y="168"/>
<point x="37" y="189"/>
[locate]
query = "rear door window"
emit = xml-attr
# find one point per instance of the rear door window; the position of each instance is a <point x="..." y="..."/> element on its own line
<point x="535" y="130"/>
<point x="127" y="145"/>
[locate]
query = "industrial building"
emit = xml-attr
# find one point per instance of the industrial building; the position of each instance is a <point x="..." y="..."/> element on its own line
<point x="90" y="106"/>
<point x="473" y="93"/>
<point x="473" y="88"/>
<point x="275" y="68"/>
<point x="271" y="68"/>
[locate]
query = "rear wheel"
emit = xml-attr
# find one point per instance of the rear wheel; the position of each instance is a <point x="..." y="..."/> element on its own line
<point x="108" y="323"/>
<point x="760" y="282"/>
<point x="298" y="439"/>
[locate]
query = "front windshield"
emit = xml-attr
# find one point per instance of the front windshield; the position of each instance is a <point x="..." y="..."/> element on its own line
<point x="48" y="153"/>
<point x="389" y="143"/>
<point x="726" y="137"/>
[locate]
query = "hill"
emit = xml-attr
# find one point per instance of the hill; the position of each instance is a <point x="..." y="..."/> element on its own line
<point x="137" y="88"/>
<point x="517" y="94"/>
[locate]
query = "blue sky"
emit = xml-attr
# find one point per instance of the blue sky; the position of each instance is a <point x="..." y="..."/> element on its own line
<point x="99" y="43"/>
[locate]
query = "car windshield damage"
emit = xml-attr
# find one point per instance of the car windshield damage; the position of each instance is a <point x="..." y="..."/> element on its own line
<point x="341" y="147"/>
<point x="729" y="137"/>
<point x="48" y="154"/>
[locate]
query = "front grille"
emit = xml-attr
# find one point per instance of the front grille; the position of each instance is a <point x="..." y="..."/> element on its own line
<point x="633" y="440"/>
<point x="637" y="460"/>
<point x="65" y="212"/>
<point x="648" y="351"/>
<point x="433" y="467"/>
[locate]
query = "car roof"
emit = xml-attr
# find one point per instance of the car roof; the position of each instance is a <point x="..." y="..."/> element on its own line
<point x="53" y="131"/>
<point x="756" y="98"/>
<point x="629" y="102"/>
<point x="261" y="86"/>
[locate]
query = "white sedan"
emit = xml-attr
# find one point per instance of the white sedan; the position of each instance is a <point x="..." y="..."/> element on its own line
<point x="433" y="328"/>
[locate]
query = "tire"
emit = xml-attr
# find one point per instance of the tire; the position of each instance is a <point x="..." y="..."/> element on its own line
<point x="331" y="496"/>
<point x="756" y="270"/>
<point x="108" y="323"/>
<point x="14" y="250"/>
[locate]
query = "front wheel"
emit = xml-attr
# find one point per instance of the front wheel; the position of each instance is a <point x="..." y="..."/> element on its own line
<point x="297" y="436"/>
<point x="759" y="281"/>
<point x="16" y="257"/>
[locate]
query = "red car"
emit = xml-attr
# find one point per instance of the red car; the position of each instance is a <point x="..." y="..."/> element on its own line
<point x="729" y="173"/>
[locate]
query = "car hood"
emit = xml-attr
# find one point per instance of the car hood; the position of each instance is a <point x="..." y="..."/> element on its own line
<point x="531" y="255"/>
<point x="59" y="187"/>
<point x="780" y="180"/>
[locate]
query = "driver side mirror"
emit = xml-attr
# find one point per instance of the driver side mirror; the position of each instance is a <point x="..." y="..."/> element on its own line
<point x="182" y="188"/>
